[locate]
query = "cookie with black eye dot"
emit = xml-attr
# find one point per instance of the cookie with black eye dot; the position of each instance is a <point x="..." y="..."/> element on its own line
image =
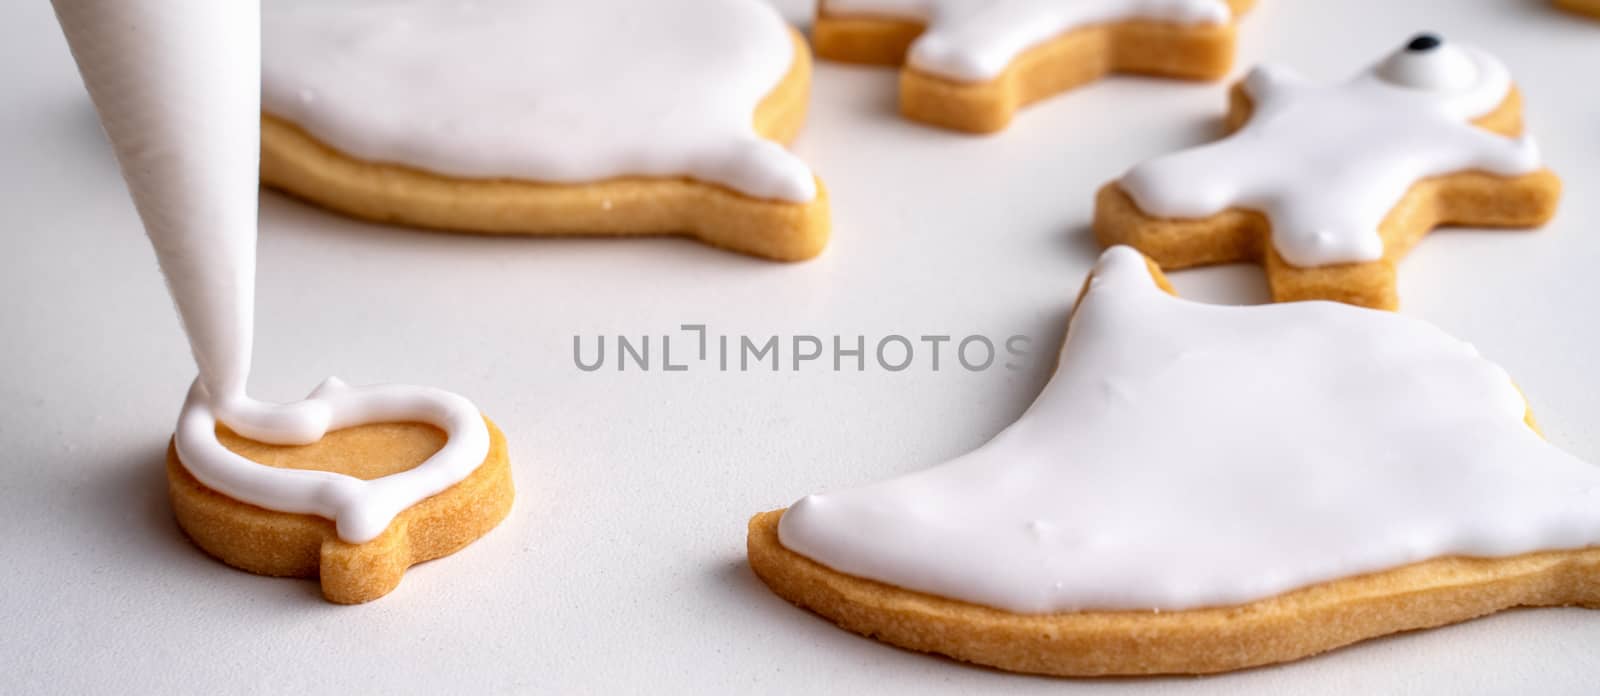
<point x="1329" y="186"/>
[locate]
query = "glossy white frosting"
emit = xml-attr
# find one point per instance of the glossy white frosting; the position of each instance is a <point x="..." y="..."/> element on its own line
<point x="361" y="509"/>
<point x="1188" y="455"/>
<point x="176" y="83"/>
<point x="1326" y="164"/>
<point x="542" y="90"/>
<point x="975" y="40"/>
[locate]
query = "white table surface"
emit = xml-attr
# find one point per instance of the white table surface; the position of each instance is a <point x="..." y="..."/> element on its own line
<point x="622" y="565"/>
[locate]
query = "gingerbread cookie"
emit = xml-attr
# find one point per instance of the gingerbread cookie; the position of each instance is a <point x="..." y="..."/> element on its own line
<point x="1203" y="488"/>
<point x="1583" y="7"/>
<point x="970" y="64"/>
<point x="352" y="484"/>
<point x="603" y="117"/>
<point x="1328" y="187"/>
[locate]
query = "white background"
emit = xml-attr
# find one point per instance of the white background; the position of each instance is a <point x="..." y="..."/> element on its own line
<point x="622" y="564"/>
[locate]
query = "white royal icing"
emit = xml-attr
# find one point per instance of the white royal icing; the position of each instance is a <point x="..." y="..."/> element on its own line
<point x="1188" y="455"/>
<point x="362" y="509"/>
<point x="975" y="40"/>
<point x="1326" y="164"/>
<point x="544" y="90"/>
<point x="176" y="84"/>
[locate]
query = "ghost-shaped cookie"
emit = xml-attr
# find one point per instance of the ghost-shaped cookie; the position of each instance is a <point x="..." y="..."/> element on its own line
<point x="1330" y="185"/>
<point x="606" y="117"/>
<point x="1202" y="488"/>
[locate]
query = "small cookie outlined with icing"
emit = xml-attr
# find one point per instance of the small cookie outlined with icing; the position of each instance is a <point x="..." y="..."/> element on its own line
<point x="1589" y="8"/>
<point x="1203" y="488"/>
<point x="970" y="65"/>
<point x="400" y="475"/>
<point x="609" y="117"/>
<point x="309" y="545"/>
<point x="1328" y="187"/>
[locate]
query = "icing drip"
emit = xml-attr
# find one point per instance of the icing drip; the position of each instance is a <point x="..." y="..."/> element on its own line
<point x="1326" y="164"/>
<point x="1188" y="455"/>
<point x="975" y="40"/>
<point x="176" y="85"/>
<point x="541" y="90"/>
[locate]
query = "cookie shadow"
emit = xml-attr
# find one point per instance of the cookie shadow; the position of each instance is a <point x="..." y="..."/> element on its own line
<point x="1546" y="9"/>
<point x="131" y="504"/>
<point x="736" y="577"/>
<point x="1080" y="242"/>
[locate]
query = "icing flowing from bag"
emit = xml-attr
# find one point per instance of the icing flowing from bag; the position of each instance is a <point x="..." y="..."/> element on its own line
<point x="177" y="85"/>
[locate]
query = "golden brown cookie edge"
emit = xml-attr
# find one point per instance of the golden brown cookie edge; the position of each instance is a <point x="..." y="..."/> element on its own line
<point x="1587" y="8"/>
<point x="1288" y="627"/>
<point x="267" y="542"/>
<point x="1072" y="59"/>
<point x="1199" y="641"/>
<point x="297" y="164"/>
